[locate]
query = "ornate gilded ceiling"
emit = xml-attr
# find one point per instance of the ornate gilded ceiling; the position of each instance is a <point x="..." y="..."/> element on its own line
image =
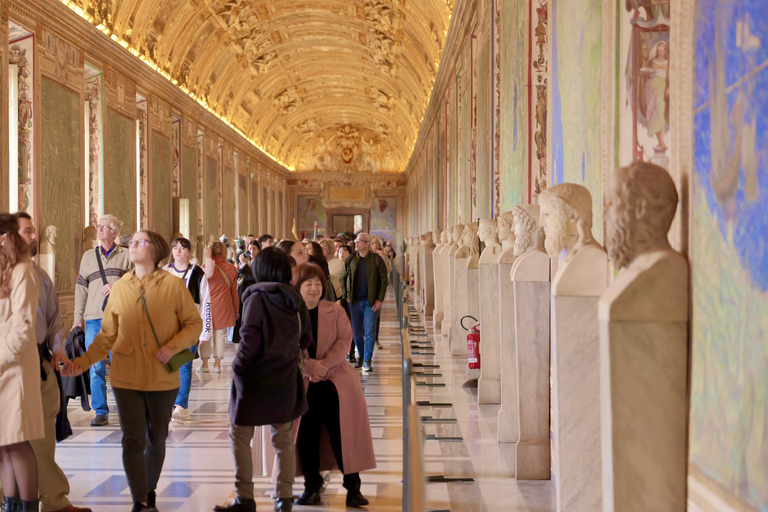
<point x="327" y="85"/>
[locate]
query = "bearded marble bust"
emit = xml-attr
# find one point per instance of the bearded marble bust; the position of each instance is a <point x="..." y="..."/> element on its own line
<point x="437" y="237"/>
<point x="566" y="217"/>
<point x="445" y="237"/>
<point x="488" y="234"/>
<point x="456" y="237"/>
<point x="532" y="263"/>
<point x="428" y="242"/>
<point x="470" y="245"/>
<point x="652" y="284"/>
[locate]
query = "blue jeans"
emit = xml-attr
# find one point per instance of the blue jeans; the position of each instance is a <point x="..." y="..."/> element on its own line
<point x="185" y="376"/>
<point x="364" y="327"/>
<point x="98" y="371"/>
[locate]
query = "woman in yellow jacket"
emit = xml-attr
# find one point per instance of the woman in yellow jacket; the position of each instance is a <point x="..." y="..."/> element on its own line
<point x="143" y="387"/>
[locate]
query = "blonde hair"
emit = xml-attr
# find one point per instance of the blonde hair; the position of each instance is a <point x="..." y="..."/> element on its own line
<point x="218" y="249"/>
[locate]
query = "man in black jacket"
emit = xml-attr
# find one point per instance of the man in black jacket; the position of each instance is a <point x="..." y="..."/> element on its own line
<point x="364" y="285"/>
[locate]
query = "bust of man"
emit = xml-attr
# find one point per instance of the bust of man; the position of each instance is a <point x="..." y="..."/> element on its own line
<point x="470" y="245"/>
<point x="566" y="216"/>
<point x="48" y="244"/>
<point x="445" y="237"/>
<point x="487" y="232"/>
<point x="457" y="231"/>
<point x="652" y="284"/>
<point x="532" y="263"/>
<point x="437" y="237"/>
<point x="506" y="231"/>
<point x="428" y="242"/>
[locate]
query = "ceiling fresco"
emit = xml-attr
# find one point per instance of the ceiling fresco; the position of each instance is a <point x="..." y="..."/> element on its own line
<point x="337" y="85"/>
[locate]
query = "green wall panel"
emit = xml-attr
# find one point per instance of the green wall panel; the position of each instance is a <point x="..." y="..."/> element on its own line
<point x="254" y="199"/>
<point x="242" y="190"/>
<point x="188" y="185"/>
<point x="210" y="198"/>
<point x="59" y="177"/>
<point x="120" y="169"/>
<point x="228" y="202"/>
<point x="160" y="219"/>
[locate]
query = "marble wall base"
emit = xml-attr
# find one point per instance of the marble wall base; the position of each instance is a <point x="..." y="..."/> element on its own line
<point x="643" y="369"/>
<point x="437" y="319"/>
<point x="533" y="458"/>
<point x="473" y="309"/>
<point x="489" y="385"/>
<point x="576" y="403"/>
<point x="459" y="308"/>
<point x="48" y="263"/>
<point x="509" y="428"/>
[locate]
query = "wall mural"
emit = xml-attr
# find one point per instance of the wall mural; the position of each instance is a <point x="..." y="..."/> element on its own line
<point x="576" y="55"/>
<point x="228" y="202"/>
<point x="141" y="116"/>
<point x="188" y="186"/>
<point x="93" y="105"/>
<point x="161" y="185"/>
<point x="119" y="178"/>
<point x="537" y="101"/>
<point x="728" y="417"/>
<point x="644" y="77"/>
<point x="348" y="149"/>
<point x="310" y="210"/>
<point x="384" y="218"/>
<point x="211" y="205"/>
<point x="21" y="53"/>
<point x="176" y="156"/>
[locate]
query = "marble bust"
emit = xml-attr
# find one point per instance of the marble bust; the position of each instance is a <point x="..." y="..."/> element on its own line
<point x="641" y="203"/>
<point x="437" y="237"/>
<point x="529" y="246"/>
<point x="48" y="244"/>
<point x="566" y="217"/>
<point x="506" y="232"/>
<point x="488" y="234"/>
<point x="457" y="231"/>
<point x="444" y="237"/>
<point x="428" y="241"/>
<point x="471" y="244"/>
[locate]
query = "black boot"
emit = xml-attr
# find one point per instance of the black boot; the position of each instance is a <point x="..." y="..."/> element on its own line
<point x="151" y="499"/>
<point x="29" y="506"/>
<point x="283" y="504"/>
<point x="237" y="505"/>
<point x="10" y="504"/>
<point x="354" y="497"/>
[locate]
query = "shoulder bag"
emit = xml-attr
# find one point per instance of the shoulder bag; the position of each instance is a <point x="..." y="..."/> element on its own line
<point x="178" y="360"/>
<point x="103" y="275"/>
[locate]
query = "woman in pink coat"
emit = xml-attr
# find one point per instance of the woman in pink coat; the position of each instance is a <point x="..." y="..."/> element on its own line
<point x="335" y="396"/>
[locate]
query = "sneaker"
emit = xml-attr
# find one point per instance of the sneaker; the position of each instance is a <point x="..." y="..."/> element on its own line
<point x="367" y="367"/>
<point x="352" y="359"/>
<point x="202" y="369"/>
<point x="180" y="414"/>
<point x="216" y="369"/>
<point x="378" y="344"/>
<point x="139" y="507"/>
<point x="100" y="421"/>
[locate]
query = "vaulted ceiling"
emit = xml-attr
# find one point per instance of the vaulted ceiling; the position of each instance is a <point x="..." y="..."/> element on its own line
<point x="328" y="85"/>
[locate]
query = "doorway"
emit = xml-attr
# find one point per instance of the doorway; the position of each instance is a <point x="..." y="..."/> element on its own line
<point x="349" y="221"/>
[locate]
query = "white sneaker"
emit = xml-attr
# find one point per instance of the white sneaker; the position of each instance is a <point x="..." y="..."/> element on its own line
<point x="202" y="369"/>
<point x="216" y="369"/>
<point x="180" y="414"/>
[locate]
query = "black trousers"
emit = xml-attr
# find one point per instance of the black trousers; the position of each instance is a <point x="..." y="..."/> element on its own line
<point x="144" y="418"/>
<point x="323" y="411"/>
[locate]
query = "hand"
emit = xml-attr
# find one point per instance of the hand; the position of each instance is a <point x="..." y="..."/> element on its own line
<point x="376" y="305"/>
<point x="59" y="358"/>
<point x="71" y="370"/>
<point x="200" y="342"/>
<point x="321" y="372"/>
<point x="207" y="253"/>
<point x="76" y="325"/>
<point x="243" y="260"/>
<point x="164" y="354"/>
<point x="106" y="289"/>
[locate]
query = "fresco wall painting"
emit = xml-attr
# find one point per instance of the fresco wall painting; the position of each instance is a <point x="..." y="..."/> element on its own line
<point x="120" y="169"/>
<point x="537" y="99"/>
<point x="188" y="185"/>
<point x="160" y="215"/>
<point x="21" y="52"/>
<point x="384" y="218"/>
<point x="310" y="210"/>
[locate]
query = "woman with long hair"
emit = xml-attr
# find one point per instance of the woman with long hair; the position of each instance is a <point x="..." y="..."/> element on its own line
<point x="268" y="387"/>
<point x="197" y="285"/>
<point x="225" y="304"/>
<point x="335" y="396"/>
<point x="20" y="393"/>
<point x="150" y="317"/>
<point x="295" y="250"/>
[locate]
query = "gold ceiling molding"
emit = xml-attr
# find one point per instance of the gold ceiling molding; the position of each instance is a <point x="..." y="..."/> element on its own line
<point x="338" y="85"/>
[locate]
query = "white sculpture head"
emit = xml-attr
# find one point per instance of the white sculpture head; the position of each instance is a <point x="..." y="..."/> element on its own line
<point x="528" y="234"/>
<point x="445" y="236"/>
<point x="469" y="238"/>
<point x="506" y="227"/>
<point x="639" y="208"/>
<point x="437" y="236"/>
<point x="50" y="234"/>
<point x="457" y="231"/>
<point x="487" y="231"/>
<point x="566" y="216"/>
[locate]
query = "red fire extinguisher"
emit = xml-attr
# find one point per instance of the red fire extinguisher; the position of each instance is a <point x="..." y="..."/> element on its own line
<point x="473" y="344"/>
<point x="413" y="280"/>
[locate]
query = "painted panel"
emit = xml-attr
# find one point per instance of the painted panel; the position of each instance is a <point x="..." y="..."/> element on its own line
<point x="188" y="183"/>
<point x="254" y="219"/>
<point x="228" y="202"/>
<point x="483" y="200"/>
<point x="242" y="191"/>
<point x="279" y="214"/>
<point x="60" y="178"/>
<point x="453" y="193"/>
<point x="310" y="210"/>
<point x="576" y="54"/>
<point x="160" y="175"/>
<point x="513" y="105"/>
<point x="465" y="151"/>
<point x="120" y="169"/>
<point x="728" y="416"/>
<point x="263" y="210"/>
<point x="384" y="218"/>
<point x="211" y="198"/>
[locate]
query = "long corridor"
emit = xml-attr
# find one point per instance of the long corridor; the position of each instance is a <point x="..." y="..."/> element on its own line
<point x="199" y="472"/>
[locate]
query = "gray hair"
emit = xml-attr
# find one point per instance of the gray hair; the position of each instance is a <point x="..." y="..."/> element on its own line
<point x="114" y="224"/>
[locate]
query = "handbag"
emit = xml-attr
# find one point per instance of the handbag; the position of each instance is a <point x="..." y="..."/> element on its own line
<point x="178" y="360"/>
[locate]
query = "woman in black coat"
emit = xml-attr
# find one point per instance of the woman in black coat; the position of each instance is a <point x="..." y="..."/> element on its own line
<point x="268" y="386"/>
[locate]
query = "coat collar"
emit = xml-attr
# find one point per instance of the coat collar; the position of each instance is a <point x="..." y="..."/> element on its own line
<point x="324" y="322"/>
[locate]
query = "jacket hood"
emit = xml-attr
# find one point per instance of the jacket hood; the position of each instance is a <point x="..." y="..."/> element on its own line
<point x="283" y="296"/>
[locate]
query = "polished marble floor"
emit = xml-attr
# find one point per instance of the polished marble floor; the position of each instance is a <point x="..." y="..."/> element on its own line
<point x="199" y="474"/>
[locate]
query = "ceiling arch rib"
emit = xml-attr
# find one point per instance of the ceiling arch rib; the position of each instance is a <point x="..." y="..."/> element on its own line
<point x="339" y="85"/>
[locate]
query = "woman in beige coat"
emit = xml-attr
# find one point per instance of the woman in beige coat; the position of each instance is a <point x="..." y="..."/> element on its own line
<point x="19" y="370"/>
<point x="142" y="341"/>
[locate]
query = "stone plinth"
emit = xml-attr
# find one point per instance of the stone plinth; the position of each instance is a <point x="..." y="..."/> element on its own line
<point x="437" y="273"/>
<point x="509" y="428"/>
<point x="459" y="307"/>
<point x="489" y="385"/>
<point x="473" y="309"/>
<point x="448" y="271"/>
<point x="427" y="281"/>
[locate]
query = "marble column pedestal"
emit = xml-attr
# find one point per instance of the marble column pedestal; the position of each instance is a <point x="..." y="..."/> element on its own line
<point x="428" y="284"/>
<point x="489" y="385"/>
<point x="643" y="406"/>
<point x="532" y="299"/>
<point x="576" y="403"/>
<point x="509" y="428"/>
<point x="473" y="309"/>
<point x="437" y="311"/>
<point x="48" y="263"/>
<point x="459" y="308"/>
<point x="449" y="297"/>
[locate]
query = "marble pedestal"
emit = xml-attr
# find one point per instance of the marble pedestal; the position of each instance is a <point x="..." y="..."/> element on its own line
<point x="576" y="403"/>
<point x="427" y="283"/>
<point x="489" y="385"/>
<point x="643" y="407"/>
<point x="509" y="428"/>
<point x="48" y="263"/>
<point x="459" y="308"/>
<point x="473" y="309"/>
<point x="437" y="311"/>
<point x="532" y="458"/>
<point x="450" y="299"/>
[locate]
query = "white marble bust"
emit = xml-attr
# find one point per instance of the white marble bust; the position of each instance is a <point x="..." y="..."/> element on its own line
<point x="532" y="263"/>
<point x="566" y="216"/>
<point x="470" y="245"/>
<point x="445" y="237"/>
<point x="437" y="237"/>
<point x="456" y="237"/>
<point x="488" y="234"/>
<point x="428" y="242"/>
<point x="652" y="284"/>
<point x="48" y="244"/>
<point x="506" y="232"/>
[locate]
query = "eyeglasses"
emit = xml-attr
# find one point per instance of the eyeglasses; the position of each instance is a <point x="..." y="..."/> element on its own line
<point x="361" y="240"/>
<point x="104" y="226"/>
<point x="138" y="243"/>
